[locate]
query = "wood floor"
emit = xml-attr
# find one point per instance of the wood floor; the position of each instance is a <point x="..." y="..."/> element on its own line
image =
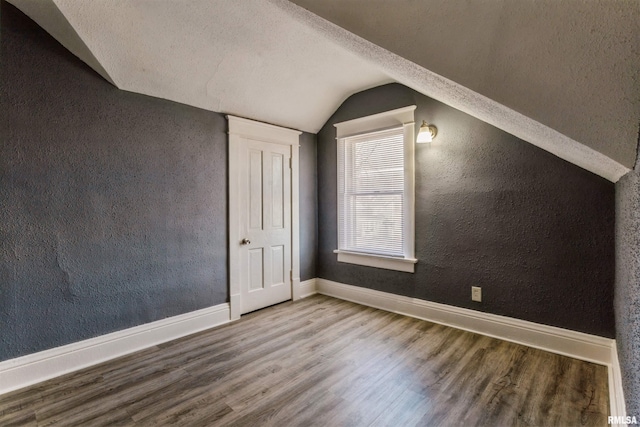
<point x="327" y="362"/>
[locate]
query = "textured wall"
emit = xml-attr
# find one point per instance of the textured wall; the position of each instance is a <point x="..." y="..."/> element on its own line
<point x="535" y="232"/>
<point x="627" y="288"/>
<point x="112" y="204"/>
<point x="308" y="207"/>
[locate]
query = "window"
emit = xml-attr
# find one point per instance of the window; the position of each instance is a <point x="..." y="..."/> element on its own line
<point x="371" y="192"/>
<point x="376" y="190"/>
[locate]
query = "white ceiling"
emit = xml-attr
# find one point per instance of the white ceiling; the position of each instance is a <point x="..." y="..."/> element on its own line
<point x="246" y="58"/>
<point x="273" y="61"/>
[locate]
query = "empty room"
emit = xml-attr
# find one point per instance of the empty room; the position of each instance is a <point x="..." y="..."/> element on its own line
<point x="319" y="212"/>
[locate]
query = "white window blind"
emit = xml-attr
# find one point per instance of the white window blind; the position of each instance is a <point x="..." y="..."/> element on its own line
<point x="371" y="192"/>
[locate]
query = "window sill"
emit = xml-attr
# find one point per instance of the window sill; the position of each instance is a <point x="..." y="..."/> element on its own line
<point x="379" y="261"/>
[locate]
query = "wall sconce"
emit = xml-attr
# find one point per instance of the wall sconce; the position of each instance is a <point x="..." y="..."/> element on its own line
<point x="426" y="133"/>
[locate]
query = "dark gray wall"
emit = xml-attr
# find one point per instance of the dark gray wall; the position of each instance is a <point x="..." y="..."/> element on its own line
<point x="535" y="232"/>
<point x="627" y="287"/>
<point x="308" y="207"/>
<point x="113" y="205"/>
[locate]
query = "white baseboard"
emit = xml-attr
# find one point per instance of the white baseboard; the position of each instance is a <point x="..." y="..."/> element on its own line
<point x="308" y="288"/>
<point x="578" y="345"/>
<point x="34" y="368"/>
<point x="617" y="405"/>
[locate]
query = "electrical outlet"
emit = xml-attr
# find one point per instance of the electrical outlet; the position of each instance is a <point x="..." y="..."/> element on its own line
<point x="476" y="293"/>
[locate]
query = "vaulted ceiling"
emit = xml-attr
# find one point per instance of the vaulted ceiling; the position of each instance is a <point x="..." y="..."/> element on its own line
<point x="563" y="75"/>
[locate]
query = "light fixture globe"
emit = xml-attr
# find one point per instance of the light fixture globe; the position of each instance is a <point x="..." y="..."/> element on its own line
<point x="426" y="133"/>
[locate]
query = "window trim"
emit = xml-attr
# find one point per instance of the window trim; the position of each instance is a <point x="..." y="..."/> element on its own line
<point x="369" y="124"/>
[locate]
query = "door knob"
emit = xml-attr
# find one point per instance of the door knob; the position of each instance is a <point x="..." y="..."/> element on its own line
<point x="245" y="242"/>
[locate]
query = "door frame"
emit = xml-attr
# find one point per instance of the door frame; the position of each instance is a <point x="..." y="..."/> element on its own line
<point x="239" y="130"/>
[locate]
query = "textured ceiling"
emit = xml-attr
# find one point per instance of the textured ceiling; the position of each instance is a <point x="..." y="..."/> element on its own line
<point x="573" y="65"/>
<point x="246" y="58"/>
<point x="561" y="75"/>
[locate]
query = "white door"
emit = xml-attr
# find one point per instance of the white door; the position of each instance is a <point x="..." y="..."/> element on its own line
<point x="265" y="224"/>
<point x="264" y="239"/>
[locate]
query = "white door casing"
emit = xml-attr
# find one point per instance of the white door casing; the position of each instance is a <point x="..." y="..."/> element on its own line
<point x="263" y="208"/>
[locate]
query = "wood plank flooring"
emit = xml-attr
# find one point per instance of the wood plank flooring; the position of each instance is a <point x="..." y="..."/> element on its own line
<point x="326" y="362"/>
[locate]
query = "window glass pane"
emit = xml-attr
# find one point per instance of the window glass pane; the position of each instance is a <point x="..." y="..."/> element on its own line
<point x="371" y="185"/>
<point x="378" y="223"/>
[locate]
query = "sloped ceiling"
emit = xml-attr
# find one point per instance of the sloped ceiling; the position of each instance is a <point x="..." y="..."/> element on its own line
<point x="573" y="65"/>
<point x="561" y="75"/>
<point x="246" y="58"/>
